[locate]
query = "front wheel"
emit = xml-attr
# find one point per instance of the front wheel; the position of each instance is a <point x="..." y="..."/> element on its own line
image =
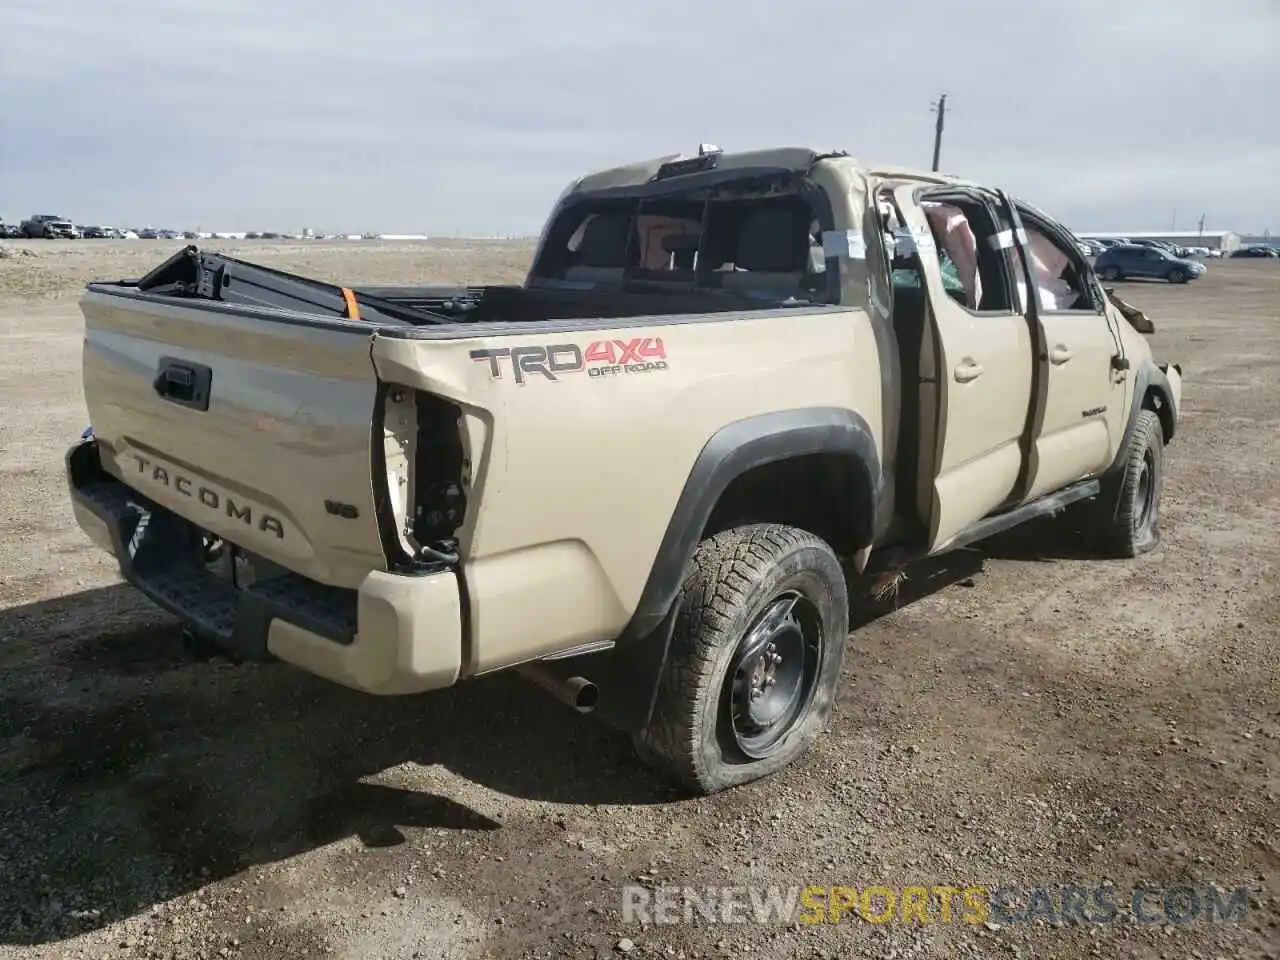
<point x="754" y="661"/>
<point x="1177" y="275"/>
<point x="1127" y="513"/>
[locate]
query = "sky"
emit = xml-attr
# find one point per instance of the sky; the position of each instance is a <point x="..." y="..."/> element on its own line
<point x="471" y="117"/>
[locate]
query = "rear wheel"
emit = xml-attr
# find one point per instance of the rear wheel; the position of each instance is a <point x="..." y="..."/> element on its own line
<point x="1111" y="273"/>
<point x="1127" y="514"/>
<point x="755" y="658"/>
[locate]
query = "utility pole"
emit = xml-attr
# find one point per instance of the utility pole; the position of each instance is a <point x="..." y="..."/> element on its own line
<point x="940" y="108"/>
<point x="1202" y="226"/>
<point x="1173" y="225"/>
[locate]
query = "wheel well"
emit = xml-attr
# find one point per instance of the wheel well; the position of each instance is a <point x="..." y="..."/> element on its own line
<point x="1155" y="401"/>
<point x="828" y="494"/>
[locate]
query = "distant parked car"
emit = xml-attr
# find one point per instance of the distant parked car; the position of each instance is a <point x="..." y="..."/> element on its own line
<point x="1148" y="262"/>
<point x="168" y="235"/>
<point x="1164" y="245"/>
<point x="1173" y="249"/>
<point x="49" y="226"/>
<point x="95" y="233"/>
<point x="148" y="234"/>
<point x="1258" y="250"/>
<point x="10" y="231"/>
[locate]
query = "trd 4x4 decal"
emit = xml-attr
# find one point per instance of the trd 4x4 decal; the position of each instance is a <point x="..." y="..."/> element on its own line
<point x="601" y="358"/>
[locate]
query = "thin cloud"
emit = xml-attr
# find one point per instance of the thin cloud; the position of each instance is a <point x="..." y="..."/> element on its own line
<point x="398" y="115"/>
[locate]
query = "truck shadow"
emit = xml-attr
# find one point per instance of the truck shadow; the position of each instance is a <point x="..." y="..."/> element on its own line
<point x="872" y="596"/>
<point x="129" y="775"/>
<point x="1043" y="540"/>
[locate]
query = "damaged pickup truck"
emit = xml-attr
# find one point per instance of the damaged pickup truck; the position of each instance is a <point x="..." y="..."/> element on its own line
<point x="640" y="477"/>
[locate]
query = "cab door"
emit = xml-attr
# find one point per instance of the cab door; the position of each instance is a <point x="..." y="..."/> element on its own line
<point x="975" y="397"/>
<point x="1080" y="406"/>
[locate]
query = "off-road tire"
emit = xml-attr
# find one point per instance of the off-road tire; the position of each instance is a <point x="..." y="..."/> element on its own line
<point x="1127" y="512"/>
<point x="733" y="580"/>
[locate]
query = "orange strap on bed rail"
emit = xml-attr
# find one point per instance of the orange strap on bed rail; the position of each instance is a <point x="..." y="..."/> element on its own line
<point x="353" y="308"/>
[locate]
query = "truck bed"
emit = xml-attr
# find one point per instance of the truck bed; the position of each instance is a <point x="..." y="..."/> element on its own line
<point x="194" y="274"/>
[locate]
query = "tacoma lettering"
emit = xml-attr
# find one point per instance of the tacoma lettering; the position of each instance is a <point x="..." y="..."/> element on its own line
<point x="209" y="498"/>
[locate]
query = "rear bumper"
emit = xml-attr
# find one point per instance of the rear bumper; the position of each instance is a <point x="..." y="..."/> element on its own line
<point x="395" y="634"/>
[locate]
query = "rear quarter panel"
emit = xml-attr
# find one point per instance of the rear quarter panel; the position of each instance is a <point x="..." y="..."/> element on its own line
<point x="574" y="480"/>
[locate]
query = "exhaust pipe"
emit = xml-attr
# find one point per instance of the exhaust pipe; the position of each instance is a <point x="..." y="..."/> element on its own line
<point x="576" y="692"/>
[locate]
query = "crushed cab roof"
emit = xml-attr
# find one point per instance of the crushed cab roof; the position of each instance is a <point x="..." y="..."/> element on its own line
<point x="639" y="173"/>
<point x="793" y="158"/>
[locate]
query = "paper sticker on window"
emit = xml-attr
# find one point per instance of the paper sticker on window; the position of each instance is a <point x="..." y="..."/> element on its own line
<point x="847" y="244"/>
<point x="1002" y="240"/>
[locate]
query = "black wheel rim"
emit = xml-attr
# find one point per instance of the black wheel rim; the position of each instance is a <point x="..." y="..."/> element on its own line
<point x="773" y="674"/>
<point x="1145" y="490"/>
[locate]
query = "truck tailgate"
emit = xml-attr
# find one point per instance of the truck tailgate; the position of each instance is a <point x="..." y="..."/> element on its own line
<point x="256" y="429"/>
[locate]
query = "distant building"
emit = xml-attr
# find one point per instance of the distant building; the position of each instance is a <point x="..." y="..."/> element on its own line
<point x="1261" y="239"/>
<point x="1224" y="240"/>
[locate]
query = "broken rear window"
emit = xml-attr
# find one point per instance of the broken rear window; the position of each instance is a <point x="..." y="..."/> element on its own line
<point x="757" y="239"/>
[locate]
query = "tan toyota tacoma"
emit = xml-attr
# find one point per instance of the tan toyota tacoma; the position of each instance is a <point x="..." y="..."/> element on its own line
<point x="641" y="476"/>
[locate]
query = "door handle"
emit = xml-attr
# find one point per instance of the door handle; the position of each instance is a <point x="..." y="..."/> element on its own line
<point x="1059" y="354"/>
<point x="968" y="369"/>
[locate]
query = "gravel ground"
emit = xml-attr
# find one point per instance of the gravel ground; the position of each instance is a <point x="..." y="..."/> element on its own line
<point x="1027" y="715"/>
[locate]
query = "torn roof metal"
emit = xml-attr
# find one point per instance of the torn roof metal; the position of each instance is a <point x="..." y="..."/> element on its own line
<point x="797" y="159"/>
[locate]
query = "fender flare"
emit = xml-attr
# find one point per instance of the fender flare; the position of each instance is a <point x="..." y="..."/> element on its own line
<point x="1148" y="378"/>
<point x="628" y="673"/>
<point x="732" y="451"/>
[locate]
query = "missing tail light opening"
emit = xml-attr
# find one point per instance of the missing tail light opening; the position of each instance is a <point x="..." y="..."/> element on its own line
<point x="423" y="465"/>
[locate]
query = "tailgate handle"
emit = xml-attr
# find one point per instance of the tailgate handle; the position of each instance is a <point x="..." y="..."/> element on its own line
<point x="186" y="384"/>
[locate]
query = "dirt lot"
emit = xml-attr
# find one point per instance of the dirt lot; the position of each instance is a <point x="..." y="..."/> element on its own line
<point x="1037" y="718"/>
